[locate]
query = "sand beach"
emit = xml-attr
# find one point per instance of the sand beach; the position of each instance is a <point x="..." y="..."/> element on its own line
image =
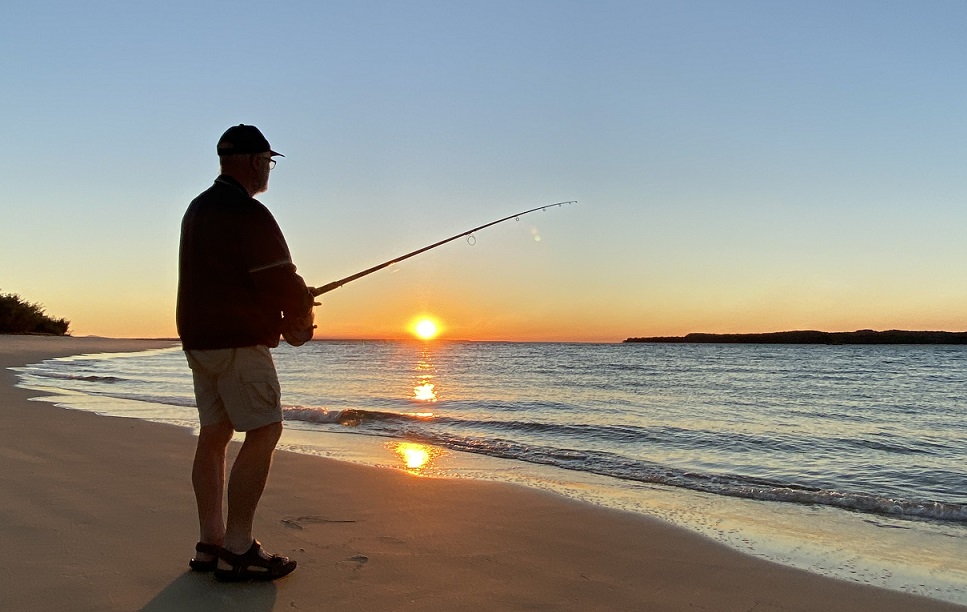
<point x="97" y="514"/>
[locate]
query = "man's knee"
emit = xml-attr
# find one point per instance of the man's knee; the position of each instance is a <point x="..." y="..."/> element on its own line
<point x="215" y="437"/>
<point x="267" y="435"/>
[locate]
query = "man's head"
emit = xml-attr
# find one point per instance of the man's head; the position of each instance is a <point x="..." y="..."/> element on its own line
<point x="245" y="155"/>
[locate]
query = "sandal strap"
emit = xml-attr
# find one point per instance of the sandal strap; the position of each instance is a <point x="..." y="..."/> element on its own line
<point x="252" y="558"/>
<point x="251" y="565"/>
<point x="207" y="549"/>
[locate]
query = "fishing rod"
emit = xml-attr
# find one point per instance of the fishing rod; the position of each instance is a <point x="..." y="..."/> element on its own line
<point x="339" y="283"/>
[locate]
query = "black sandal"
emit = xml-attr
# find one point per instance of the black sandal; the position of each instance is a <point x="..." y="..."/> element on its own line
<point x="198" y="565"/>
<point x="251" y="565"/>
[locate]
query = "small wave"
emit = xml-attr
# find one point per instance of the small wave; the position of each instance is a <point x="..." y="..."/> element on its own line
<point x="165" y="400"/>
<point x="899" y="449"/>
<point x="615" y="466"/>
<point x="396" y="424"/>
<point x="92" y="378"/>
<point x="80" y="377"/>
<point x="349" y="416"/>
<point x="312" y="415"/>
<point x="613" y="433"/>
<point x="862" y="502"/>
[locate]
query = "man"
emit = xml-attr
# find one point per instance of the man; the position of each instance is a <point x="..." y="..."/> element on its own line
<point x="237" y="292"/>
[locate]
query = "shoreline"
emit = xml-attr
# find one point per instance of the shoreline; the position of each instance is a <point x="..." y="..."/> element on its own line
<point x="110" y="526"/>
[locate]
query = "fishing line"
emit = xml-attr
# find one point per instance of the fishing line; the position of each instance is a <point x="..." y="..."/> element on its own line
<point x="470" y="240"/>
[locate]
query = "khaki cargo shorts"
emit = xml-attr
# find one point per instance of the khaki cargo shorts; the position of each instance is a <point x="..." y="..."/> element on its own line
<point x="238" y="384"/>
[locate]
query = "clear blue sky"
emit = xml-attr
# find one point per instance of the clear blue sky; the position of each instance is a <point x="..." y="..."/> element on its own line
<point x="740" y="166"/>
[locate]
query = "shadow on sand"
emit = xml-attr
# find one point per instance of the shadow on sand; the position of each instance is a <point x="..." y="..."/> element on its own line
<point x="192" y="592"/>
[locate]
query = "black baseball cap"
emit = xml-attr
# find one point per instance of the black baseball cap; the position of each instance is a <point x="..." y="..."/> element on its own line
<point x="244" y="139"/>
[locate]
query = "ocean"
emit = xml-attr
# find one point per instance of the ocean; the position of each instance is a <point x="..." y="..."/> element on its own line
<point x="848" y="461"/>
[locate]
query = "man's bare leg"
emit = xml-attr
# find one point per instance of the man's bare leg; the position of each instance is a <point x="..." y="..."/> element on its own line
<point x="208" y="480"/>
<point x="246" y="483"/>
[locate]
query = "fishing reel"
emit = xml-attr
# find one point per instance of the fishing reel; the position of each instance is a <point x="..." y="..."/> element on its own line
<point x="298" y="330"/>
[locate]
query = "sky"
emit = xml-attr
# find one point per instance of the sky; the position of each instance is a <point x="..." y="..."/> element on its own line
<point x="742" y="166"/>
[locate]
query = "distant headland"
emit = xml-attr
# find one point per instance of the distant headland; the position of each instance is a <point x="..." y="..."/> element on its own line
<point x="862" y="336"/>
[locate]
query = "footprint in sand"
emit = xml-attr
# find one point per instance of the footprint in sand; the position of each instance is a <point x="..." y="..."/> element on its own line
<point x="358" y="560"/>
<point x="301" y="521"/>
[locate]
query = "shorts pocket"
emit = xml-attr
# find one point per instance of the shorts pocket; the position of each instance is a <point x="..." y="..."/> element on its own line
<point x="262" y="390"/>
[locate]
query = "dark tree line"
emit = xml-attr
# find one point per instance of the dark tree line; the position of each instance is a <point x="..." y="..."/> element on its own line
<point x="18" y="316"/>
<point x="863" y="336"/>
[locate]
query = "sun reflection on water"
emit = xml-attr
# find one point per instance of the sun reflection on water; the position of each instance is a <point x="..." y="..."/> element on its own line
<point x="416" y="457"/>
<point x="424" y="389"/>
<point x="424" y="392"/>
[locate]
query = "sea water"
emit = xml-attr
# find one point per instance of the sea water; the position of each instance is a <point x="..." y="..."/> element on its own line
<point x="848" y="461"/>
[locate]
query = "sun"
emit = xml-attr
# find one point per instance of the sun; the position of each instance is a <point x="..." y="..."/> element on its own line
<point x="426" y="328"/>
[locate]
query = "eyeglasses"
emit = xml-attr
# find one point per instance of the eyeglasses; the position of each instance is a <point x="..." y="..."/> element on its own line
<point x="270" y="160"/>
